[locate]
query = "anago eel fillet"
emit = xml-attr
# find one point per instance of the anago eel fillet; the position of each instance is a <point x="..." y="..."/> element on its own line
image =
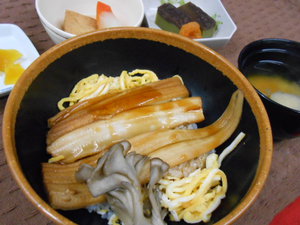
<point x="106" y="106"/>
<point x="97" y="136"/>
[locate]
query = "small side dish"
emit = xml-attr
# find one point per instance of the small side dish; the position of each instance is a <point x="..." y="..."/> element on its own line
<point x="84" y="15"/>
<point x="214" y="8"/>
<point x="16" y="54"/>
<point x="272" y="66"/>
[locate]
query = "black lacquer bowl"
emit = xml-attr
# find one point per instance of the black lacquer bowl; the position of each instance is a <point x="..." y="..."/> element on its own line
<point x="275" y="57"/>
<point x="206" y="74"/>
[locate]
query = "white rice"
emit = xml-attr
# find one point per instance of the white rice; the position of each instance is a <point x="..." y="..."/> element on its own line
<point x="105" y="211"/>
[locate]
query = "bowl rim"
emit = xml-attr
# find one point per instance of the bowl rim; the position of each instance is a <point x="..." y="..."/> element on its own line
<point x="195" y="48"/>
<point x="259" y="44"/>
<point x="269" y="41"/>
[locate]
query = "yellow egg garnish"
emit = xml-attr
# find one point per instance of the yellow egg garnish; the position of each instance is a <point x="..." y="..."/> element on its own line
<point x="195" y="197"/>
<point x="96" y="85"/>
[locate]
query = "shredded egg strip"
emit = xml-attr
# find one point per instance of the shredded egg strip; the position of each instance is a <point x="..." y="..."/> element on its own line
<point x="195" y="197"/>
<point x="96" y="85"/>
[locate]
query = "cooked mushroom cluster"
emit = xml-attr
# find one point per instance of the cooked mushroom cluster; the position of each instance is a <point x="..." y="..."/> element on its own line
<point x="117" y="177"/>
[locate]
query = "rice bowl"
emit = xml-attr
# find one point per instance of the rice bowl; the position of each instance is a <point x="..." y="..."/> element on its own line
<point x="119" y="50"/>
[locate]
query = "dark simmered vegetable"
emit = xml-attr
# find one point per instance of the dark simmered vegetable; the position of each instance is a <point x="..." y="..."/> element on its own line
<point x="173" y="19"/>
<point x="208" y="24"/>
<point x="169" y="18"/>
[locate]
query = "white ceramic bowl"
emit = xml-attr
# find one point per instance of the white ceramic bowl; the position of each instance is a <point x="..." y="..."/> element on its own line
<point x="52" y="12"/>
<point x="214" y="8"/>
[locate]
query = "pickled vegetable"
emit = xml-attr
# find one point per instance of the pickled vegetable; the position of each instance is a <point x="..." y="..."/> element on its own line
<point x="8" y="65"/>
<point x="13" y="73"/>
<point x="8" y="56"/>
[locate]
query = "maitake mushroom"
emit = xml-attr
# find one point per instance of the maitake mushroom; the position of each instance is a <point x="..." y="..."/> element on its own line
<point x="117" y="176"/>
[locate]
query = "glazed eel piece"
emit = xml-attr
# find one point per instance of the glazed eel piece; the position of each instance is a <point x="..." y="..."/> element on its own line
<point x="99" y="135"/>
<point x="106" y="106"/>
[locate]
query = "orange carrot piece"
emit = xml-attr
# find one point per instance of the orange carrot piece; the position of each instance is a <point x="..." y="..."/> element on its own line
<point x="191" y="30"/>
<point x="101" y="8"/>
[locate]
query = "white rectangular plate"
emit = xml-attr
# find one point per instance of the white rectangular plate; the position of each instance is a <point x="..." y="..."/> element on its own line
<point x="13" y="37"/>
<point x="213" y="8"/>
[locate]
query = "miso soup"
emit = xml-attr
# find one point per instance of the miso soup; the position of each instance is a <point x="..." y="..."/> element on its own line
<point x="278" y="89"/>
<point x="270" y="84"/>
